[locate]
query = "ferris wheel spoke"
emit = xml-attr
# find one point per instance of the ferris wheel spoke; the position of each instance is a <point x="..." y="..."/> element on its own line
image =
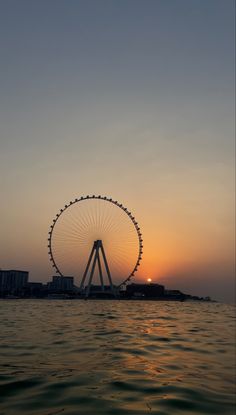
<point x="120" y="258"/>
<point x="76" y="225"/>
<point x="70" y="236"/>
<point x="78" y="221"/>
<point x="67" y="236"/>
<point x="69" y="239"/>
<point x="67" y="228"/>
<point x="71" y="230"/>
<point x="110" y="223"/>
<point x="83" y="223"/>
<point x="117" y="255"/>
<point x="117" y="225"/>
<point x="96" y="214"/>
<point x="91" y="214"/>
<point x="103" y="217"/>
<point x="69" y="249"/>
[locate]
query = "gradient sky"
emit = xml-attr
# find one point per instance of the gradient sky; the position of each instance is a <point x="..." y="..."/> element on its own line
<point x="131" y="99"/>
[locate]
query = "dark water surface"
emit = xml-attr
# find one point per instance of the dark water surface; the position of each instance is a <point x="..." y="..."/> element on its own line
<point x="116" y="357"/>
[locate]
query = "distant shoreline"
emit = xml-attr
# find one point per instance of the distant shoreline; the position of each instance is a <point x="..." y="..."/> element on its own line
<point x="109" y="299"/>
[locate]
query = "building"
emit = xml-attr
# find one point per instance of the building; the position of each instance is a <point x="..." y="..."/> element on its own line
<point x="145" y="290"/>
<point x="174" y="295"/>
<point x="98" y="288"/>
<point x="62" y="284"/>
<point x="34" y="289"/>
<point x="12" y="282"/>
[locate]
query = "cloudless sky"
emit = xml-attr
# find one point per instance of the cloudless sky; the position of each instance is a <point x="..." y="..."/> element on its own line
<point x="132" y="99"/>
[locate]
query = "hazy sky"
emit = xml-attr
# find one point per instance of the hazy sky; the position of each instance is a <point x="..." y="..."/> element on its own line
<point x="133" y="99"/>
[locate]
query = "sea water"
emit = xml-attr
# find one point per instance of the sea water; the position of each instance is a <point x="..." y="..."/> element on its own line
<point x="75" y="357"/>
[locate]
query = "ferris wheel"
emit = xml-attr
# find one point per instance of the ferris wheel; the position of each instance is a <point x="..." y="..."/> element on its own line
<point x="96" y="240"/>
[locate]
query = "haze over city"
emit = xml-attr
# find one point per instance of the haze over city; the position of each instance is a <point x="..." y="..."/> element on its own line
<point x="129" y="99"/>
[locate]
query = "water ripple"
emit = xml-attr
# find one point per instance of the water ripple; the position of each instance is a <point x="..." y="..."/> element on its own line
<point x="119" y="358"/>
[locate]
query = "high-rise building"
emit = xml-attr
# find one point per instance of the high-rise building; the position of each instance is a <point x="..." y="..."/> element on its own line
<point x="13" y="281"/>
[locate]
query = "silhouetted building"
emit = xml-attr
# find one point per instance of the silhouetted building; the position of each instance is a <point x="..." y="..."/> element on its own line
<point x="174" y="295"/>
<point x="62" y="284"/>
<point x="145" y="290"/>
<point x="98" y="288"/>
<point x="96" y="291"/>
<point x="13" y="281"/>
<point x="34" y="289"/>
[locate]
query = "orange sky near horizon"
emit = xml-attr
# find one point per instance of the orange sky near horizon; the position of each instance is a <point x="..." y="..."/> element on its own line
<point x="177" y="242"/>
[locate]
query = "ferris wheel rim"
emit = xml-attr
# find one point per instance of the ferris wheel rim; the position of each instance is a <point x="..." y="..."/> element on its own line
<point x="114" y="202"/>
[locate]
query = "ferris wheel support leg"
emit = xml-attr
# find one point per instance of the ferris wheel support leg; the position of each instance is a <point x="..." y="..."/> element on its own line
<point x="91" y="275"/>
<point x="100" y="270"/>
<point x="86" y="270"/>
<point x="108" y="271"/>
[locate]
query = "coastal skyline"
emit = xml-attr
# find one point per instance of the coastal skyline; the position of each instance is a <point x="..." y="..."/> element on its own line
<point x="130" y="100"/>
